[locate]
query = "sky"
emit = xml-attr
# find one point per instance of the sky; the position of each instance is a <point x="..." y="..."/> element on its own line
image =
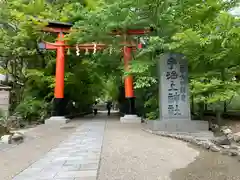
<point x="236" y="11"/>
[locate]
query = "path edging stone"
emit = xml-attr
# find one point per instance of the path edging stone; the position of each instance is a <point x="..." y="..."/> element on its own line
<point x="205" y="143"/>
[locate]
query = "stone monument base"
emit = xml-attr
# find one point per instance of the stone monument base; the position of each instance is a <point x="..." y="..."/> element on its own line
<point x="177" y="125"/>
<point x="129" y="118"/>
<point x="57" y="120"/>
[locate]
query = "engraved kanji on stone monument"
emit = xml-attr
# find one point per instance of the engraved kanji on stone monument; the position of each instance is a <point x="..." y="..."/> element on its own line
<point x="4" y="100"/>
<point x="174" y="103"/>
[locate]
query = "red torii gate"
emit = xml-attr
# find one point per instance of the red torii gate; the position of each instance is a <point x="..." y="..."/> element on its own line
<point x="60" y="46"/>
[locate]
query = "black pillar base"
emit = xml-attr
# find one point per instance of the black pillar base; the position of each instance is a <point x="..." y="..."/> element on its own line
<point x="130" y="106"/>
<point x="59" y="107"/>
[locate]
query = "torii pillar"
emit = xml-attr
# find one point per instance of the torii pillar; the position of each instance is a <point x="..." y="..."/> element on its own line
<point x="59" y="103"/>
<point x="130" y="115"/>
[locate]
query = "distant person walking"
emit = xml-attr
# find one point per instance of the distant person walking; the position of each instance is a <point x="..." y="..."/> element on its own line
<point x="109" y="106"/>
<point x="95" y="108"/>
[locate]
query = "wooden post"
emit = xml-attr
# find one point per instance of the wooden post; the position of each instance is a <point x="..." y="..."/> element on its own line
<point x="59" y="104"/>
<point x="59" y="87"/>
<point x="128" y="81"/>
<point x="129" y="93"/>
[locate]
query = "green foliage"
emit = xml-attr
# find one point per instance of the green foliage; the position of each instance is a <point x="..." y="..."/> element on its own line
<point x="212" y="54"/>
<point x="31" y="109"/>
<point x="204" y="32"/>
<point x="151" y="106"/>
<point x="35" y="69"/>
<point x="111" y="89"/>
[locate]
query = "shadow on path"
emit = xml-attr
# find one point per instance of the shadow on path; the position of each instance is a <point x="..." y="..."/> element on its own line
<point x="209" y="166"/>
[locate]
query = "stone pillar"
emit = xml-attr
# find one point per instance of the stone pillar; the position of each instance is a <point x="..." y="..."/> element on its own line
<point x="174" y="106"/>
<point x="174" y="91"/>
<point x="4" y="100"/>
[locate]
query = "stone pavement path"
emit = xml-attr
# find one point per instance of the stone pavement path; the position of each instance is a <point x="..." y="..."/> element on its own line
<point x="127" y="153"/>
<point x="39" y="140"/>
<point x="76" y="158"/>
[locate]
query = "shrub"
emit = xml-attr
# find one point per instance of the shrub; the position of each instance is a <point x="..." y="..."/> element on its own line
<point x="32" y="109"/>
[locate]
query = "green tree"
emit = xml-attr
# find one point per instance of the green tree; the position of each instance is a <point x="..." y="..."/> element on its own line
<point x="33" y="70"/>
<point x="203" y="31"/>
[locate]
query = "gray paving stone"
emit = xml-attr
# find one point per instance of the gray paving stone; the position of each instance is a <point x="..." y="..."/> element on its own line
<point x="61" y="158"/>
<point x="31" y="171"/>
<point x="21" y="178"/>
<point x="71" y="168"/>
<point x="47" y="175"/>
<point x="92" y="166"/>
<point x="77" y="174"/>
<point x="39" y="165"/>
<point x="76" y="158"/>
<point x="87" y="154"/>
<point x="53" y="166"/>
<point x="63" y="168"/>
<point x="51" y="169"/>
<point x="36" y="176"/>
<point x="74" y="162"/>
<point x="49" y="164"/>
<point x="62" y="149"/>
<point x="88" y="178"/>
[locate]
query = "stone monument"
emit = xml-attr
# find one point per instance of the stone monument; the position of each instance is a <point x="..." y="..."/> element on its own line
<point x="174" y="92"/>
<point x="4" y="99"/>
<point x="174" y="106"/>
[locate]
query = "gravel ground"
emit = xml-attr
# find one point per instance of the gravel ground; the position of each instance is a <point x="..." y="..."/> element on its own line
<point x="132" y="154"/>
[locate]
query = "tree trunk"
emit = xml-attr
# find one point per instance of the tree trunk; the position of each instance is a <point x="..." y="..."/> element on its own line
<point x="201" y="110"/>
<point x="205" y="107"/>
<point x="192" y="102"/>
<point x="223" y="79"/>
<point x="219" y="117"/>
<point x="225" y="107"/>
